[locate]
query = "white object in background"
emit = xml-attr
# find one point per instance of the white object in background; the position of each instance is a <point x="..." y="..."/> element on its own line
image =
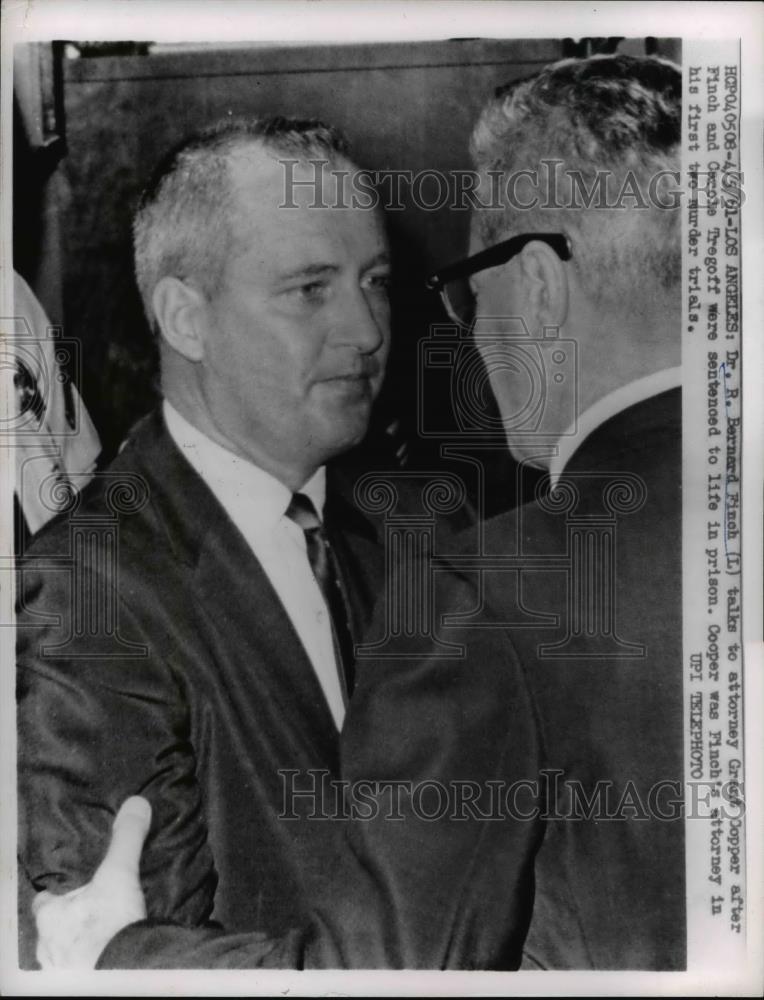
<point x="56" y="443"/>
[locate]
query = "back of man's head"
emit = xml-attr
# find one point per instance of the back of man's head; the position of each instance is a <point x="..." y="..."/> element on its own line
<point x="183" y="224"/>
<point x="599" y="142"/>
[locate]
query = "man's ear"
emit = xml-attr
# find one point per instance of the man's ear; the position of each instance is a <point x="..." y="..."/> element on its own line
<point x="546" y="282"/>
<point x="180" y="313"/>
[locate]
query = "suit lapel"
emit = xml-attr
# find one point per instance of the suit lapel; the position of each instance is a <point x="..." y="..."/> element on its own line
<point x="237" y="599"/>
<point x="263" y="654"/>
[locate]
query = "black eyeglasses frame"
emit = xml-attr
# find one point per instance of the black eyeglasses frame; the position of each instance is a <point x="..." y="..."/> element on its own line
<point x="497" y="255"/>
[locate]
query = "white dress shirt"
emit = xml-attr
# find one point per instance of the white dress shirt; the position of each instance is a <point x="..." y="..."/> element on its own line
<point x="605" y="408"/>
<point x="257" y="502"/>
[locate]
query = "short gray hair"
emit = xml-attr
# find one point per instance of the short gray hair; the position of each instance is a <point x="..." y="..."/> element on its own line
<point x="182" y="226"/>
<point x="620" y="114"/>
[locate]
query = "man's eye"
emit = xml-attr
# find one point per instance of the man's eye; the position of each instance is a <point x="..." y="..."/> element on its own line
<point x="378" y="282"/>
<point x="311" y="291"/>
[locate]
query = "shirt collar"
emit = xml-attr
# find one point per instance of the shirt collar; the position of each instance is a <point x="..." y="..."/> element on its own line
<point x="598" y="414"/>
<point x="234" y="479"/>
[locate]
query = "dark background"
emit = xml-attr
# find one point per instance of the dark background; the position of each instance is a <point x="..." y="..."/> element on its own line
<point x="101" y="121"/>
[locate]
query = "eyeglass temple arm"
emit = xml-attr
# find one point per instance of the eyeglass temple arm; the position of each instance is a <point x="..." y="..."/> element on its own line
<point x="494" y="256"/>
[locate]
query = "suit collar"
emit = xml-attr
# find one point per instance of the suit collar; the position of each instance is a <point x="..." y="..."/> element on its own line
<point x="631" y="431"/>
<point x="180" y="499"/>
<point x="191" y="515"/>
<point x="604" y="410"/>
<point x="254" y="499"/>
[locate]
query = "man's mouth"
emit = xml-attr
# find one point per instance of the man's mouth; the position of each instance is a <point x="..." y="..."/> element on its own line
<point x="365" y="373"/>
<point x="352" y="377"/>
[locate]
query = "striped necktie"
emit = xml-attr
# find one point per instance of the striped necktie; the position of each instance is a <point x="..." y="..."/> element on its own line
<point x="323" y="562"/>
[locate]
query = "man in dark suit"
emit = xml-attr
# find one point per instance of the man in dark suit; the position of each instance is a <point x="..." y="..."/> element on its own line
<point x="184" y="627"/>
<point x="577" y="299"/>
<point x="579" y="318"/>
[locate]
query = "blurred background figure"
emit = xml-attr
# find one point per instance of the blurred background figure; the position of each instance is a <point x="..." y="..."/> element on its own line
<point x="57" y="446"/>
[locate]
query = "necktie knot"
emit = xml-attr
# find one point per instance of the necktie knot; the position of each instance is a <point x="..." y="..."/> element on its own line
<point x="303" y="513"/>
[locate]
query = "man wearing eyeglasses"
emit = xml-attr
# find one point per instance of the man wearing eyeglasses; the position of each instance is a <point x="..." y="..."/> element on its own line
<point x="573" y="299"/>
<point x="573" y="296"/>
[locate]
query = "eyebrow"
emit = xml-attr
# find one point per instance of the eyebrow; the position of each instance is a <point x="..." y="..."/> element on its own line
<point x="309" y="271"/>
<point x="378" y="260"/>
<point x="318" y="270"/>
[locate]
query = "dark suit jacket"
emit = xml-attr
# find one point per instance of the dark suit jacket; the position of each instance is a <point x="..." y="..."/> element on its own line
<point x="602" y="560"/>
<point x="155" y="658"/>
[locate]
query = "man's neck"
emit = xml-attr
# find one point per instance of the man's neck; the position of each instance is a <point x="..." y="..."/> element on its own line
<point x="292" y="475"/>
<point x="632" y="351"/>
<point x="614" y="358"/>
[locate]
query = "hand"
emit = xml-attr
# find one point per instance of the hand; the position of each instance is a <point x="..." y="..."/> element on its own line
<point x="73" y="929"/>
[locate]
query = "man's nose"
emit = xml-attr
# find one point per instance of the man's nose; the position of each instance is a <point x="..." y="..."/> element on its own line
<point x="365" y="322"/>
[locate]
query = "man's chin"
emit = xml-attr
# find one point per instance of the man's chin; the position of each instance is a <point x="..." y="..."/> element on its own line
<point x="342" y="415"/>
<point x="347" y="402"/>
<point x="343" y="430"/>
